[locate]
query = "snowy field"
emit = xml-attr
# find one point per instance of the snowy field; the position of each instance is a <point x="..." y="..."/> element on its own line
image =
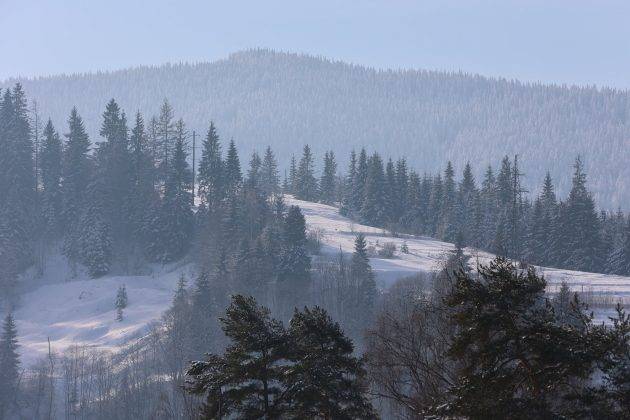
<point x="73" y="309"/>
<point x="601" y="291"/>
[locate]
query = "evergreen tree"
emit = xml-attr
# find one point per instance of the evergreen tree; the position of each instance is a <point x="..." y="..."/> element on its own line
<point x="253" y="173"/>
<point x="517" y="225"/>
<point x="172" y="225"/>
<point x="114" y="166"/>
<point x="402" y="187"/>
<point x="9" y="364"/>
<point x="51" y="155"/>
<point x="436" y="201"/>
<point x="516" y="360"/>
<point x="390" y="190"/>
<point x="164" y="139"/>
<point x="94" y="240"/>
<point x="489" y="203"/>
<point x="504" y="183"/>
<point x="246" y="382"/>
<point x="233" y="177"/>
<point x="178" y="323"/>
<point x="306" y="184"/>
<point x="211" y="181"/>
<point x="269" y="180"/>
<point x="583" y="230"/>
<point x="17" y="176"/>
<point x="467" y="207"/>
<point x="348" y="206"/>
<point x="121" y="302"/>
<point x="328" y="182"/>
<point x="373" y="209"/>
<point x="359" y="182"/>
<point x="325" y="380"/>
<point x="202" y="309"/>
<point x="76" y="174"/>
<point x="363" y="280"/>
<point x="295" y="262"/>
<point x="620" y="256"/>
<point x="292" y="176"/>
<point x="447" y="229"/>
<point x="142" y="196"/>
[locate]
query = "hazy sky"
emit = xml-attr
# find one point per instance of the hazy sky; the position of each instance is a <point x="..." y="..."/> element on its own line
<point x="572" y="41"/>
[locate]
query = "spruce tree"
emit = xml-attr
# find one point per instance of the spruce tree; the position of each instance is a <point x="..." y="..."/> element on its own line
<point x="253" y="173"/>
<point x="448" y="229"/>
<point x="348" y="206"/>
<point x="51" y="155"/>
<point x="489" y="203"/>
<point x="359" y="181"/>
<point x="172" y="226"/>
<point x="620" y="256"/>
<point x="76" y="174"/>
<point x="269" y="180"/>
<point x="373" y="210"/>
<point x="504" y="183"/>
<point x="142" y="197"/>
<point x="306" y="184"/>
<point x="202" y="309"/>
<point x="9" y="364"/>
<point x="121" y="302"/>
<point x="114" y="165"/>
<point x="211" y="170"/>
<point x="402" y="187"/>
<point x="392" y="194"/>
<point x="363" y="280"/>
<point x="246" y="382"/>
<point x="328" y="182"/>
<point x="93" y="234"/>
<point x="164" y="139"/>
<point x="583" y="230"/>
<point x="436" y="200"/>
<point x="233" y="177"/>
<point x="292" y="181"/>
<point x="516" y="360"/>
<point x="295" y="262"/>
<point x="326" y="379"/>
<point x="17" y="175"/>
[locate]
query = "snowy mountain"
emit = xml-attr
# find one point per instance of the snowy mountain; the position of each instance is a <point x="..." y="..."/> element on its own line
<point x="78" y="310"/>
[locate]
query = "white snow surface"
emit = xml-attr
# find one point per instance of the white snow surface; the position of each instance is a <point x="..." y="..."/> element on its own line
<point x="73" y="309"/>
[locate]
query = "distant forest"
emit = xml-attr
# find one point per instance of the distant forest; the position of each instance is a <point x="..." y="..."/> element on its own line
<point x="262" y="97"/>
<point x="274" y="327"/>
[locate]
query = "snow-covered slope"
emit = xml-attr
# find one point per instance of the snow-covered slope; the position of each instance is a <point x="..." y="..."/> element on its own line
<point x="81" y="311"/>
<point x="425" y="253"/>
<point x="601" y="291"/>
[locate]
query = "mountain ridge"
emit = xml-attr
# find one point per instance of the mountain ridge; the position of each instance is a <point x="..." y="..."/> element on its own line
<point x="260" y="97"/>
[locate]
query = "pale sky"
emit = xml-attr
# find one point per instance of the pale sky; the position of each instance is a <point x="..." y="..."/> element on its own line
<point x="563" y="41"/>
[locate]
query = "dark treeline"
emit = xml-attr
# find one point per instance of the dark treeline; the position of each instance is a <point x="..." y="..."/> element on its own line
<point x="495" y="215"/>
<point x="265" y="97"/>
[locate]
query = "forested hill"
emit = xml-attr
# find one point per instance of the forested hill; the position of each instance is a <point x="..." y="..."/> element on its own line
<point x="264" y="98"/>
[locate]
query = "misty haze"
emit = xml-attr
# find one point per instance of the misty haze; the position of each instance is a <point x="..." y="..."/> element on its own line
<point x="276" y="210"/>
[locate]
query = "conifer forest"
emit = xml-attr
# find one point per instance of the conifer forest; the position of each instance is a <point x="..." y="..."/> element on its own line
<point x="275" y="235"/>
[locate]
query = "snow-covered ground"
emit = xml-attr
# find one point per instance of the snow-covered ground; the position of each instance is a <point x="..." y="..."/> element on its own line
<point x="78" y="310"/>
<point x="425" y="254"/>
